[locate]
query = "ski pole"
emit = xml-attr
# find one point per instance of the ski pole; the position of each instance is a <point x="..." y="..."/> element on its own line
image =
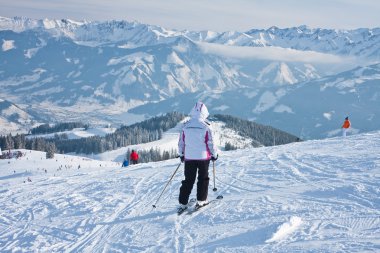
<point x="154" y="206"/>
<point x="213" y="170"/>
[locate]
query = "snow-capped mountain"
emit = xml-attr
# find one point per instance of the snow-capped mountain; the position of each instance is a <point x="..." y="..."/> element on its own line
<point x="102" y="71"/>
<point x="314" y="109"/>
<point x="313" y="196"/>
<point x="353" y="93"/>
<point x="362" y="42"/>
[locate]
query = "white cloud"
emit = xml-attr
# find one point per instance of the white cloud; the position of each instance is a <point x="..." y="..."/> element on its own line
<point x="270" y="53"/>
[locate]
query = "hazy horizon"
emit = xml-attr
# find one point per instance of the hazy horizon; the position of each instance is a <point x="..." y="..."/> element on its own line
<point x="215" y="15"/>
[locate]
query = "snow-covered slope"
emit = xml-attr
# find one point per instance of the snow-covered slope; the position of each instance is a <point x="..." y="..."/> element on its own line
<point x="315" y="196"/>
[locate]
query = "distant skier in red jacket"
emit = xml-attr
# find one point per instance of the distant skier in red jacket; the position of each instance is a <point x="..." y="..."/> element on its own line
<point x="134" y="157"/>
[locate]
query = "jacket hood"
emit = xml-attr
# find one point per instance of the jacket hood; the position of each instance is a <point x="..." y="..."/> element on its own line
<point x="199" y="111"/>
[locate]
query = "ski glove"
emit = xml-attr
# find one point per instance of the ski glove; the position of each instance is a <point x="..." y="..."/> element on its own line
<point x="214" y="158"/>
<point x="182" y="158"/>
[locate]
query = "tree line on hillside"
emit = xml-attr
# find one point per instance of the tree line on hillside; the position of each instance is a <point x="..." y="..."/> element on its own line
<point x="20" y="141"/>
<point x="262" y="135"/>
<point x="143" y="132"/>
<point x="153" y="155"/>
<point x="60" y="127"/>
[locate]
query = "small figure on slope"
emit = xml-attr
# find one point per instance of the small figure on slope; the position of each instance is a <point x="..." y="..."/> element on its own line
<point x="346" y="125"/>
<point x="125" y="163"/>
<point x="134" y="157"/>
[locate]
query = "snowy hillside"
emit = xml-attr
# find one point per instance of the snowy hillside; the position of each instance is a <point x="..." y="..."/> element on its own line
<point x="169" y="141"/>
<point x="314" y="196"/>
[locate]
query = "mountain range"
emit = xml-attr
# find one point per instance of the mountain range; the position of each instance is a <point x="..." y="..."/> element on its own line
<point x="301" y="80"/>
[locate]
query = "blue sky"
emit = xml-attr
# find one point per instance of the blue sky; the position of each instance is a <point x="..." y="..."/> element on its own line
<point x="216" y="15"/>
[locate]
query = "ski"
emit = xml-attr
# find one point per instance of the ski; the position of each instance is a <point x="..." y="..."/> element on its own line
<point x="181" y="210"/>
<point x="197" y="208"/>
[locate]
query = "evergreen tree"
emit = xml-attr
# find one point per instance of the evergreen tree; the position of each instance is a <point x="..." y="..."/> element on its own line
<point x="228" y="146"/>
<point x="9" y="142"/>
<point x="50" y="150"/>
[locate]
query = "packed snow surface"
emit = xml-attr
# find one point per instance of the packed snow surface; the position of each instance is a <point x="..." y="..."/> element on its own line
<point x="314" y="196"/>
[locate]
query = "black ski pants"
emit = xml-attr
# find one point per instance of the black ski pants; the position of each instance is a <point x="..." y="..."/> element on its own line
<point x="191" y="169"/>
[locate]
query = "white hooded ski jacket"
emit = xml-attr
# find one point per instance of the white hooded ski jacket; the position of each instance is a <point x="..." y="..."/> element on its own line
<point x="196" y="139"/>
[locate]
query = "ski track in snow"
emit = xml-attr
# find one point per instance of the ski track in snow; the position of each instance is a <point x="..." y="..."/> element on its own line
<point x="316" y="196"/>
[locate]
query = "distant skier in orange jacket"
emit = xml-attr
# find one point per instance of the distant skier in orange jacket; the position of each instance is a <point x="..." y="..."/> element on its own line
<point x="346" y="125"/>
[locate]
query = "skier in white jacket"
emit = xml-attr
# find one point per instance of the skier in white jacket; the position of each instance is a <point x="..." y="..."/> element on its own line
<point x="196" y="149"/>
